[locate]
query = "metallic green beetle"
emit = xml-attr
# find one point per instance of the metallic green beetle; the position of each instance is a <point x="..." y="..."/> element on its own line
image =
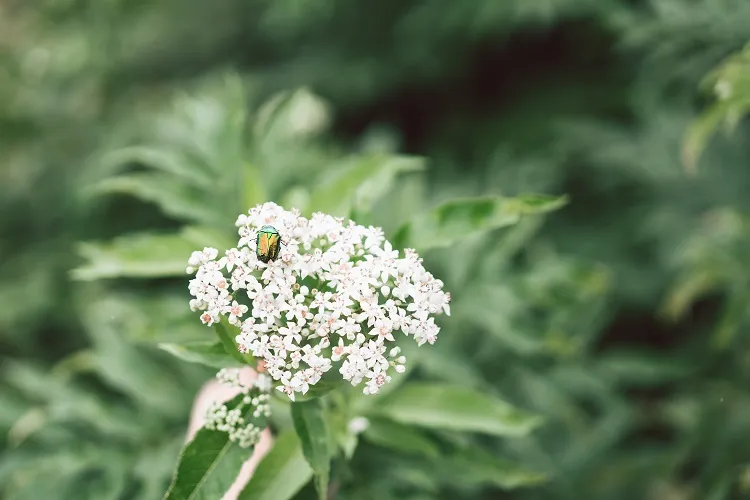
<point x="268" y="243"/>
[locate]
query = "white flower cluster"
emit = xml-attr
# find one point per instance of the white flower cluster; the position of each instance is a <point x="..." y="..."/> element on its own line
<point x="337" y="293"/>
<point x="220" y="417"/>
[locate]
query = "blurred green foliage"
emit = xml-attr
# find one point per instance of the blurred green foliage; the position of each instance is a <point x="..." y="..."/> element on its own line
<point x="134" y="132"/>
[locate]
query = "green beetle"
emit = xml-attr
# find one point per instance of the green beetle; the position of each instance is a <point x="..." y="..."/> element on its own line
<point x="268" y="243"/>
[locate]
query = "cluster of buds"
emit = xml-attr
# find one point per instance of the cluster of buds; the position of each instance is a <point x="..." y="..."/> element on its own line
<point x="245" y="421"/>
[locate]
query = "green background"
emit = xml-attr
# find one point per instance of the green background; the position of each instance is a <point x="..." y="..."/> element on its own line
<point x="133" y="132"/>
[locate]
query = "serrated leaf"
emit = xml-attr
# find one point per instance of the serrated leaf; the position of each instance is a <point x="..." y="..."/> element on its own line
<point x="733" y="314"/>
<point x="281" y="473"/>
<point x="147" y="255"/>
<point x="114" y="358"/>
<point x="345" y="438"/>
<point x="382" y="178"/>
<point x="432" y="363"/>
<point x="692" y="286"/>
<point x="64" y="474"/>
<point x="202" y="236"/>
<point x="359" y="183"/>
<point x="206" y="353"/>
<point x="254" y="191"/>
<point x="291" y="116"/>
<point x="26" y="425"/>
<point x="156" y="462"/>
<point x="208" y="465"/>
<point x="175" y="197"/>
<point x="451" y="407"/>
<point x="150" y="318"/>
<point x="401" y="438"/>
<point x="462" y="218"/>
<point x="315" y="435"/>
<point x="471" y="310"/>
<point x="162" y="159"/>
<point x="477" y="467"/>
<point x="641" y="367"/>
<point x="66" y="402"/>
<point x="533" y="203"/>
<point x="142" y="255"/>
<point x="699" y="132"/>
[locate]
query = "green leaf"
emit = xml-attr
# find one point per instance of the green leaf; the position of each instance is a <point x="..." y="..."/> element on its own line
<point x="148" y="317"/>
<point x="208" y="465"/>
<point x="691" y="287"/>
<point x="114" y="359"/>
<point x="275" y="119"/>
<point x="359" y="183"/>
<point x="164" y="159"/>
<point x="471" y="309"/>
<point x="83" y="472"/>
<point x="316" y="438"/>
<point x="432" y="363"/>
<point x="65" y="402"/>
<point x="291" y="116"/>
<point x="298" y="197"/>
<point x="456" y="408"/>
<point x="533" y="203"/>
<point x="401" y="438"/>
<point x="144" y="255"/>
<point x="229" y="344"/>
<point x="254" y="191"/>
<point x="699" y="133"/>
<point x="281" y="473"/>
<point x="381" y="179"/>
<point x="175" y="197"/>
<point x="733" y="314"/>
<point x="642" y="368"/>
<point x="154" y="462"/>
<point x="462" y="218"/>
<point x="211" y="354"/>
<point x="476" y="467"/>
<point x="330" y="381"/>
<point x="345" y="438"/>
<point x="730" y="84"/>
<point x="202" y="236"/>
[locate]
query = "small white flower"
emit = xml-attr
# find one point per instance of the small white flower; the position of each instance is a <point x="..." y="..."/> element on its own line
<point x="297" y="311"/>
<point x="209" y="318"/>
<point x="318" y="304"/>
<point x="235" y="311"/>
